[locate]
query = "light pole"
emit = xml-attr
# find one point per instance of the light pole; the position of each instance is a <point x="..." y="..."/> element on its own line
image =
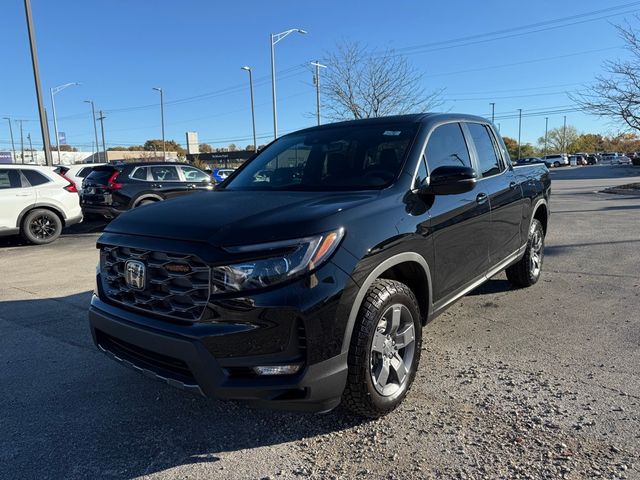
<point x="53" y="91"/>
<point x="253" y="113"/>
<point x="164" y="149"/>
<point x="564" y="136"/>
<point x="104" y="147"/>
<point x="318" y="66"/>
<point x="30" y="147"/>
<point x="95" y="127"/>
<point x="519" y="130"/>
<point x="275" y="38"/>
<point x="493" y="111"/>
<point x="546" y="131"/>
<point x="44" y="127"/>
<point x="13" y="147"/>
<point x="21" y="143"/>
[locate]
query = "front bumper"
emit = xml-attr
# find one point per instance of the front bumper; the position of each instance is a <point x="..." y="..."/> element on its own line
<point x="184" y="361"/>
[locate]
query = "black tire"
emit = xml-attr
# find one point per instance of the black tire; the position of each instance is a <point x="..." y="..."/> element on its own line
<point x="556" y="164"/>
<point x="361" y="395"/>
<point x="41" y="226"/>
<point x="529" y="268"/>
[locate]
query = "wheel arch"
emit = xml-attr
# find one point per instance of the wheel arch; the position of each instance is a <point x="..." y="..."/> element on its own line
<point x="146" y="196"/>
<point x="45" y="206"/>
<point x="541" y="213"/>
<point x="409" y="268"/>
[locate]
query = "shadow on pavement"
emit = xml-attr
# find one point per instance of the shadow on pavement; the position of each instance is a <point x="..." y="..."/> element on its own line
<point x="495" y="285"/>
<point x="550" y="250"/>
<point x="69" y="411"/>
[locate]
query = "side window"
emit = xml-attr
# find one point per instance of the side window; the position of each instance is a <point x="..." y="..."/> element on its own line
<point x="35" y="178"/>
<point x="447" y="147"/>
<point x="9" y="178"/>
<point x="487" y="158"/>
<point x="84" y="172"/>
<point x="140" y="173"/>
<point x="192" y="174"/>
<point x="165" y="174"/>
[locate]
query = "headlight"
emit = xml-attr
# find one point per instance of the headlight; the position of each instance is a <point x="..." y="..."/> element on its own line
<point x="280" y="261"/>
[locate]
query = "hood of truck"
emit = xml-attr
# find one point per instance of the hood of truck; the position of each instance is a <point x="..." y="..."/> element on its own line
<point x="226" y="217"/>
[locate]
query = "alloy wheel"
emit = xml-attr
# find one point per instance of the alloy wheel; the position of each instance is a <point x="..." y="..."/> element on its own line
<point x="392" y="350"/>
<point x="535" y="262"/>
<point x="42" y="227"/>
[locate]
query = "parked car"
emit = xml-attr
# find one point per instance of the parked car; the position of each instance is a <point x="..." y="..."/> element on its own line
<point x="36" y="203"/>
<point x="577" y="160"/>
<point x="593" y="159"/>
<point x="621" y="160"/>
<point x="313" y="288"/>
<point x="110" y="190"/>
<point x="533" y="160"/>
<point x="221" y="174"/>
<point x="77" y="173"/>
<point x="557" y="160"/>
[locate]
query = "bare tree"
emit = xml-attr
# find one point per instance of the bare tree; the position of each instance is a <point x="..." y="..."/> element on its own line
<point x="616" y="95"/>
<point x="361" y="83"/>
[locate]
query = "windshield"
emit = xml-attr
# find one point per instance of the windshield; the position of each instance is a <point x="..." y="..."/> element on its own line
<point x="361" y="157"/>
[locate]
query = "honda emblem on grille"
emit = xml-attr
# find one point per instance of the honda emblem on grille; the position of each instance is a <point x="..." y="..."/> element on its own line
<point x="134" y="274"/>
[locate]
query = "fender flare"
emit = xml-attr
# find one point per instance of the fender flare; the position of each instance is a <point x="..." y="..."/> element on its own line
<point x="146" y="196"/>
<point x="372" y="277"/>
<point x="534" y="209"/>
<point x="46" y="205"/>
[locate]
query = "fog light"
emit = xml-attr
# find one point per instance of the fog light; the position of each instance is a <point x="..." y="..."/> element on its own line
<point x="277" y="369"/>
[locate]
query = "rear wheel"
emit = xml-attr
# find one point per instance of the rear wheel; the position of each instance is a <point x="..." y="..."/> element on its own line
<point x="41" y="226"/>
<point x="384" y="351"/>
<point x="528" y="269"/>
<point x="556" y="164"/>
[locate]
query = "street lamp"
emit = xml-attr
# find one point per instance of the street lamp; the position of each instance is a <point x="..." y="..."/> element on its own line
<point x="53" y="91"/>
<point x="275" y="38"/>
<point x="95" y="127"/>
<point x="493" y="111"/>
<point x="13" y="146"/>
<point x="164" y="150"/>
<point x="253" y="113"/>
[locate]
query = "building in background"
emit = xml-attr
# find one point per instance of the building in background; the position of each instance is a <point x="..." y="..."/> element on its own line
<point x="221" y="159"/>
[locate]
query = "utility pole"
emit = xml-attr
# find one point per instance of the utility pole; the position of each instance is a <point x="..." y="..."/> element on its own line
<point x="36" y="78"/>
<point x="104" y="148"/>
<point x="564" y="136"/>
<point x="164" y="149"/>
<point x="21" y="144"/>
<point x="253" y="112"/>
<point x="519" y="131"/>
<point x="493" y="111"/>
<point x="95" y="127"/>
<point x="316" y="80"/>
<point x="13" y="146"/>
<point x="546" y="130"/>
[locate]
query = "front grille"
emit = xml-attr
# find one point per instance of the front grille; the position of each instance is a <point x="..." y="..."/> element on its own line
<point x="175" y="285"/>
<point x="163" y="365"/>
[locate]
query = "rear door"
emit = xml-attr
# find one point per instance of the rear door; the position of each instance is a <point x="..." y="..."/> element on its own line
<point x="501" y="183"/>
<point x="166" y="181"/>
<point x="459" y="223"/>
<point x="16" y="195"/>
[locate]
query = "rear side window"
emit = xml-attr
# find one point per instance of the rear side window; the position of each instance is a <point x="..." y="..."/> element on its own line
<point x="100" y="176"/>
<point x="447" y="147"/>
<point x="140" y="173"/>
<point x="9" y="179"/>
<point x="487" y="158"/>
<point x="35" y="178"/>
<point x="84" y="172"/>
<point x="165" y="174"/>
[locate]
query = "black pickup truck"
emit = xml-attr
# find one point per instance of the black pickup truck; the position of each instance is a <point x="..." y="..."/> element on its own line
<point x="305" y="279"/>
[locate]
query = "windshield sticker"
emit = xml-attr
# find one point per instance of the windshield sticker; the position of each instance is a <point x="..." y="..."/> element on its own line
<point x="392" y="133"/>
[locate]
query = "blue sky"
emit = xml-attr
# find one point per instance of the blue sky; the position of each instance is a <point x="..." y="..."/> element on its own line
<point x="193" y="49"/>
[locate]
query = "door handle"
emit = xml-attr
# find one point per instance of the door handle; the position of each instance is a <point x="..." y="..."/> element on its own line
<point x="26" y="194"/>
<point x="513" y="185"/>
<point x="481" y="198"/>
<point x="156" y="185"/>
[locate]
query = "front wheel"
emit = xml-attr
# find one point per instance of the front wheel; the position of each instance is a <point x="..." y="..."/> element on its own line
<point x="556" y="164"/>
<point x="41" y="226"/>
<point x="528" y="269"/>
<point x="384" y="351"/>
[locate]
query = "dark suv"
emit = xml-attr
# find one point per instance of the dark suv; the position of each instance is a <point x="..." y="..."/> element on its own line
<point x="306" y="278"/>
<point x="110" y="190"/>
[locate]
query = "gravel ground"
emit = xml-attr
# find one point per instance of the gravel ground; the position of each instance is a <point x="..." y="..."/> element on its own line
<point x="534" y="383"/>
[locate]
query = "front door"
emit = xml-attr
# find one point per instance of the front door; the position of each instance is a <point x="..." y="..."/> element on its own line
<point x="15" y="196"/>
<point x="459" y="223"/>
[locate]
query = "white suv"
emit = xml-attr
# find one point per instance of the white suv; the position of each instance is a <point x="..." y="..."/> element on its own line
<point x="557" y="160"/>
<point x="36" y="203"/>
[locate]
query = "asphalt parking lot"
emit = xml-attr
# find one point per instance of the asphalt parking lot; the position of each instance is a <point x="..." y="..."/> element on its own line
<point x="534" y="383"/>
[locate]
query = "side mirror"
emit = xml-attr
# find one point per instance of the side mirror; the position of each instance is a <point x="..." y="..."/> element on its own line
<point x="450" y="180"/>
